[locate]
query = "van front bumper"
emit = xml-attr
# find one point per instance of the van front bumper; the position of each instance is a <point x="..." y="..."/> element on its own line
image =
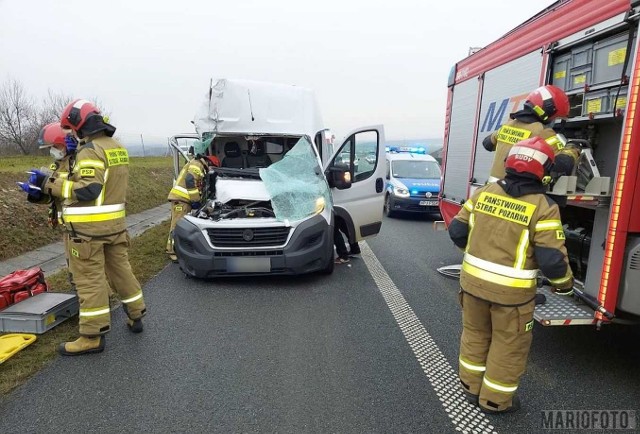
<point x="309" y="249"/>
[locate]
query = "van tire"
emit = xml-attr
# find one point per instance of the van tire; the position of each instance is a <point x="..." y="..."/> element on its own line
<point x="330" y="266"/>
<point x="387" y="206"/>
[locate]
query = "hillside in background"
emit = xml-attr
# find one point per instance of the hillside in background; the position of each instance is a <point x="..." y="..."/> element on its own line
<point x="140" y="145"/>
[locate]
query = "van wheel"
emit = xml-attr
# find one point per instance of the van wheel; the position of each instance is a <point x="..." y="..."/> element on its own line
<point x="387" y="207"/>
<point x="330" y="266"/>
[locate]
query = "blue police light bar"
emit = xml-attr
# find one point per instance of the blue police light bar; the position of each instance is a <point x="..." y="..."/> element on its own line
<point x="406" y="149"/>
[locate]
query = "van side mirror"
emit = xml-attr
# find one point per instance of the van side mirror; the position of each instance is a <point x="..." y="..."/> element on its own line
<point x="338" y="177"/>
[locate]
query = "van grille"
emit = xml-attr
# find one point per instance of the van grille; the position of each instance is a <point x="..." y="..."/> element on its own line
<point x="248" y="237"/>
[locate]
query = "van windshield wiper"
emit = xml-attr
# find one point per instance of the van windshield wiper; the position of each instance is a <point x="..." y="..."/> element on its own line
<point x="228" y="172"/>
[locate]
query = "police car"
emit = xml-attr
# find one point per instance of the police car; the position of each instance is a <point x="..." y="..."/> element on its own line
<point x="413" y="181"/>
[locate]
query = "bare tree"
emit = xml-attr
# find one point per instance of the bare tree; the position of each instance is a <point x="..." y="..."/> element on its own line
<point x="52" y="106"/>
<point x="21" y="119"/>
<point x="18" y="117"/>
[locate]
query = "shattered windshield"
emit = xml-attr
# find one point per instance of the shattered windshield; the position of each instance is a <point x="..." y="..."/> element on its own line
<point x="296" y="183"/>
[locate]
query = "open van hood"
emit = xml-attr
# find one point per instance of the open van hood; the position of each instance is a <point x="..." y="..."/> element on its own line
<point x="253" y="107"/>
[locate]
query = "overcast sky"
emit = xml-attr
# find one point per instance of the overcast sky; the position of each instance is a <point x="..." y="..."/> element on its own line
<point x="150" y="61"/>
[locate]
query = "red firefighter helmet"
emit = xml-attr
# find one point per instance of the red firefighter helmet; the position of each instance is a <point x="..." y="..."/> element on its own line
<point x="531" y="156"/>
<point x="549" y="102"/>
<point x="51" y="134"/>
<point x="76" y="113"/>
<point x="215" y="161"/>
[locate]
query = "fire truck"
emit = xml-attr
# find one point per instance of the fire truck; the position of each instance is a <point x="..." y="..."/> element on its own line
<point x="590" y="49"/>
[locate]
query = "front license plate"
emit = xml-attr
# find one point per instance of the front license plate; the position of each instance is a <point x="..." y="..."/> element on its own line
<point x="428" y="203"/>
<point x="248" y="265"/>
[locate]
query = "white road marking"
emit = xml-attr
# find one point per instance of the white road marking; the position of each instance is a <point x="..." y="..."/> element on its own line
<point x="467" y="418"/>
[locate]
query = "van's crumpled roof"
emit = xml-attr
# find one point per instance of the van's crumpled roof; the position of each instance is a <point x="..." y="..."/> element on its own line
<point x="254" y="107"/>
<point x="295" y="183"/>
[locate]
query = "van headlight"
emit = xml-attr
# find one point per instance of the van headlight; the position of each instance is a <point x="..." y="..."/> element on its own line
<point x="320" y="203"/>
<point x="401" y="192"/>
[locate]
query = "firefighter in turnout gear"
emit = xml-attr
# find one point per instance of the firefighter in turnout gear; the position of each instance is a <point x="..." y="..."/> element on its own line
<point x="93" y="212"/>
<point x="187" y="191"/>
<point x="542" y="106"/>
<point x="62" y="148"/>
<point x="508" y="230"/>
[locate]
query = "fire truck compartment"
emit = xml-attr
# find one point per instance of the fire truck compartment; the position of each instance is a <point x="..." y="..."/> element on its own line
<point x="586" y="221"/>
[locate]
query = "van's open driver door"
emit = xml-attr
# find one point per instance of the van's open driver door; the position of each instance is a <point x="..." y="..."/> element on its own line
<point x="361" y="205"/>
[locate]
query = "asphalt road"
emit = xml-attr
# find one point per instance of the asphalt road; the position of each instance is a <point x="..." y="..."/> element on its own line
<point x="371" y="348"/>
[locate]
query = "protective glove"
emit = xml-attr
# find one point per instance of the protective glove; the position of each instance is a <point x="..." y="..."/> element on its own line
<point x="195" y="205"/>
<point x="37" y="177"/>
<point x="32" y="190"/>
<point x="71" y="142"/>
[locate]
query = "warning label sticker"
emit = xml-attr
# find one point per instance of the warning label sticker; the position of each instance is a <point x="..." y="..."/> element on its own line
<point x="616" y="57"/>
<point x="512" y="135"/>
<point x="505" y="208"/>
<point x="594" y="105"/>
<point x="559" y="74"/>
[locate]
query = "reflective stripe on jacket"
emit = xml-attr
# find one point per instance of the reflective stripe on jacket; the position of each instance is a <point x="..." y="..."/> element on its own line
<point x="506" y="240"/>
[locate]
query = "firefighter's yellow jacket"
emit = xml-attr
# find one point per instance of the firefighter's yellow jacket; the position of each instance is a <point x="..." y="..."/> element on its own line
<point x="190" y="182"/>
<point x="95" y="191"/>
<point x="516" y="130"/>
<point x="506" y="240"/>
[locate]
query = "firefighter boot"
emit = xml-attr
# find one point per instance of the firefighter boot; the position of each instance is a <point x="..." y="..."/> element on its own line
<point x="471" y="398"/>
<point x="135" y="325"/>
<point x="82" y="345"/>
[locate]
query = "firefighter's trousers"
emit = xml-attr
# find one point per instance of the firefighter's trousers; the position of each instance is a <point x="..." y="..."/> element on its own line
<point x="92" y="261"/>
<point x="178" y="210"/>
<point x="65" y="238"/>
<point x="494" y="348"/>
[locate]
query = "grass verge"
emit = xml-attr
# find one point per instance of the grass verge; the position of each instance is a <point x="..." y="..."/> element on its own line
<point x="24" y="225"/>
<point x="147" y="259"/>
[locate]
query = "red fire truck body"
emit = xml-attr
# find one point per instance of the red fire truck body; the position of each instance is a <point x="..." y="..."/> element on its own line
<point x="588" y="48"/>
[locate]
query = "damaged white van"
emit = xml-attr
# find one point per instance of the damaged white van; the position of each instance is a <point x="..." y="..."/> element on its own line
<point x="272" y="205"/>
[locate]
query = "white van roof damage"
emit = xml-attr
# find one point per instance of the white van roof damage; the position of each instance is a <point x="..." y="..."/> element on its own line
<point x="252" y="107"/>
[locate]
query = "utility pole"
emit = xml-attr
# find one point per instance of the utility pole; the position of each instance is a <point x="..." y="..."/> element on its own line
<point x="142" y="141"/>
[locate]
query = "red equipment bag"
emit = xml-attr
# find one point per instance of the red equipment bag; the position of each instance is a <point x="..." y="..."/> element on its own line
<point x="21" y="284"/>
